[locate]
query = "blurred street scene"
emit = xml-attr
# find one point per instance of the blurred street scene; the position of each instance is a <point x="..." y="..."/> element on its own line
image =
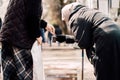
<point x="64" y="61"/>
<point x="52" y="12"/>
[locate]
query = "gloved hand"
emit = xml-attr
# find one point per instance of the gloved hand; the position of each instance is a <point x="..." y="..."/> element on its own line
<point x="70" y="39"/>
<point x="60" y="38"/>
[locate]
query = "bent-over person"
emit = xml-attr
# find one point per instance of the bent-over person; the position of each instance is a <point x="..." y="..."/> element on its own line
<point x="93" y="28"/>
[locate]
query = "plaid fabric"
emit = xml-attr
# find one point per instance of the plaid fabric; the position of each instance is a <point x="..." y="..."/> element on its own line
<point x="18" y="66"/>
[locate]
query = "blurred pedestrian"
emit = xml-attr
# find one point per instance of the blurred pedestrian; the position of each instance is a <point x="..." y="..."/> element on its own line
<point x="58" y="31"/>
<point x="19" y="31"/>
<point x="0" y="23"/>
<point x="43" y="34"/>
<point x="93" y="28"/>
<point x="50" y="35"/>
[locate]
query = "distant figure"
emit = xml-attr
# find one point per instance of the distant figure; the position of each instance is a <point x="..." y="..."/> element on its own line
<point x="50" y="38"/>
<point x="42" y="30"/>
<point x="58" y="31"/>
<point x="0" y="23"/>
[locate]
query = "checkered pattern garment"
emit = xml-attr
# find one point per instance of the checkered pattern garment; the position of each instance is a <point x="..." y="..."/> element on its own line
<point x="18" y="66"/>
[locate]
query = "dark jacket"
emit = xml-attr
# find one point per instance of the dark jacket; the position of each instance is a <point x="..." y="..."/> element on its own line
<point x="93" y="27"/>
<point x="21" y="23"/>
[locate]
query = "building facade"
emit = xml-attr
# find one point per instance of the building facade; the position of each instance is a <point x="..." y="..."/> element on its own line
<point x="110" y="7"/>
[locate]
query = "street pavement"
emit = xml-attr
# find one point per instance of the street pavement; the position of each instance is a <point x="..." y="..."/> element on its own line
<point x="65" y="59"/>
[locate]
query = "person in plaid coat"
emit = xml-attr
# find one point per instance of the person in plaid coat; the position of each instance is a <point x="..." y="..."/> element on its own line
<point x="19" y="31"/>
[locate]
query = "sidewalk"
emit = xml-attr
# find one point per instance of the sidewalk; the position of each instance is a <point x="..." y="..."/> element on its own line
<point x="64" y="63"/>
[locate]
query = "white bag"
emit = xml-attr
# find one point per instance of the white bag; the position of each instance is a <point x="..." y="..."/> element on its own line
<point x="38" y="70"/>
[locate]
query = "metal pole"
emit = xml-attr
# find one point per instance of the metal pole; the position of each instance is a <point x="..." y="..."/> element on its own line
<point x="82" y="75"/>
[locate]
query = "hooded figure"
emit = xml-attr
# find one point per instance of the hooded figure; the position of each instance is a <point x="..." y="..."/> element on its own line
<point x="91" y="27"/>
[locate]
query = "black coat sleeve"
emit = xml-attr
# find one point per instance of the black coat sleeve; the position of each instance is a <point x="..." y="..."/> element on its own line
<point x="33" y="15"/>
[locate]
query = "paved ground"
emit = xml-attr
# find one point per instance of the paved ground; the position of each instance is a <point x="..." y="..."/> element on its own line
<point x="62" y="60"/>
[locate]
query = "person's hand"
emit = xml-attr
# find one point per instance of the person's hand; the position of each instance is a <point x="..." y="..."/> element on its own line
<point x="39" y="39"/>
<point x="60" y="38"/>
<point x="50" y="28"/>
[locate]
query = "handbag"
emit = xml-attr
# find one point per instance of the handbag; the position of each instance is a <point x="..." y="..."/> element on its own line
<point x="38" y="70"/>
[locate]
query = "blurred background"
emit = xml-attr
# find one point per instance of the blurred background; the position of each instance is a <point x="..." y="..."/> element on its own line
<point x="52" y="9"/>
<point x="63" y="61"/>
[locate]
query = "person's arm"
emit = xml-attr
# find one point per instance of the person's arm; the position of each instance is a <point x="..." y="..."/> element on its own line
<point x="33" y="15"/>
